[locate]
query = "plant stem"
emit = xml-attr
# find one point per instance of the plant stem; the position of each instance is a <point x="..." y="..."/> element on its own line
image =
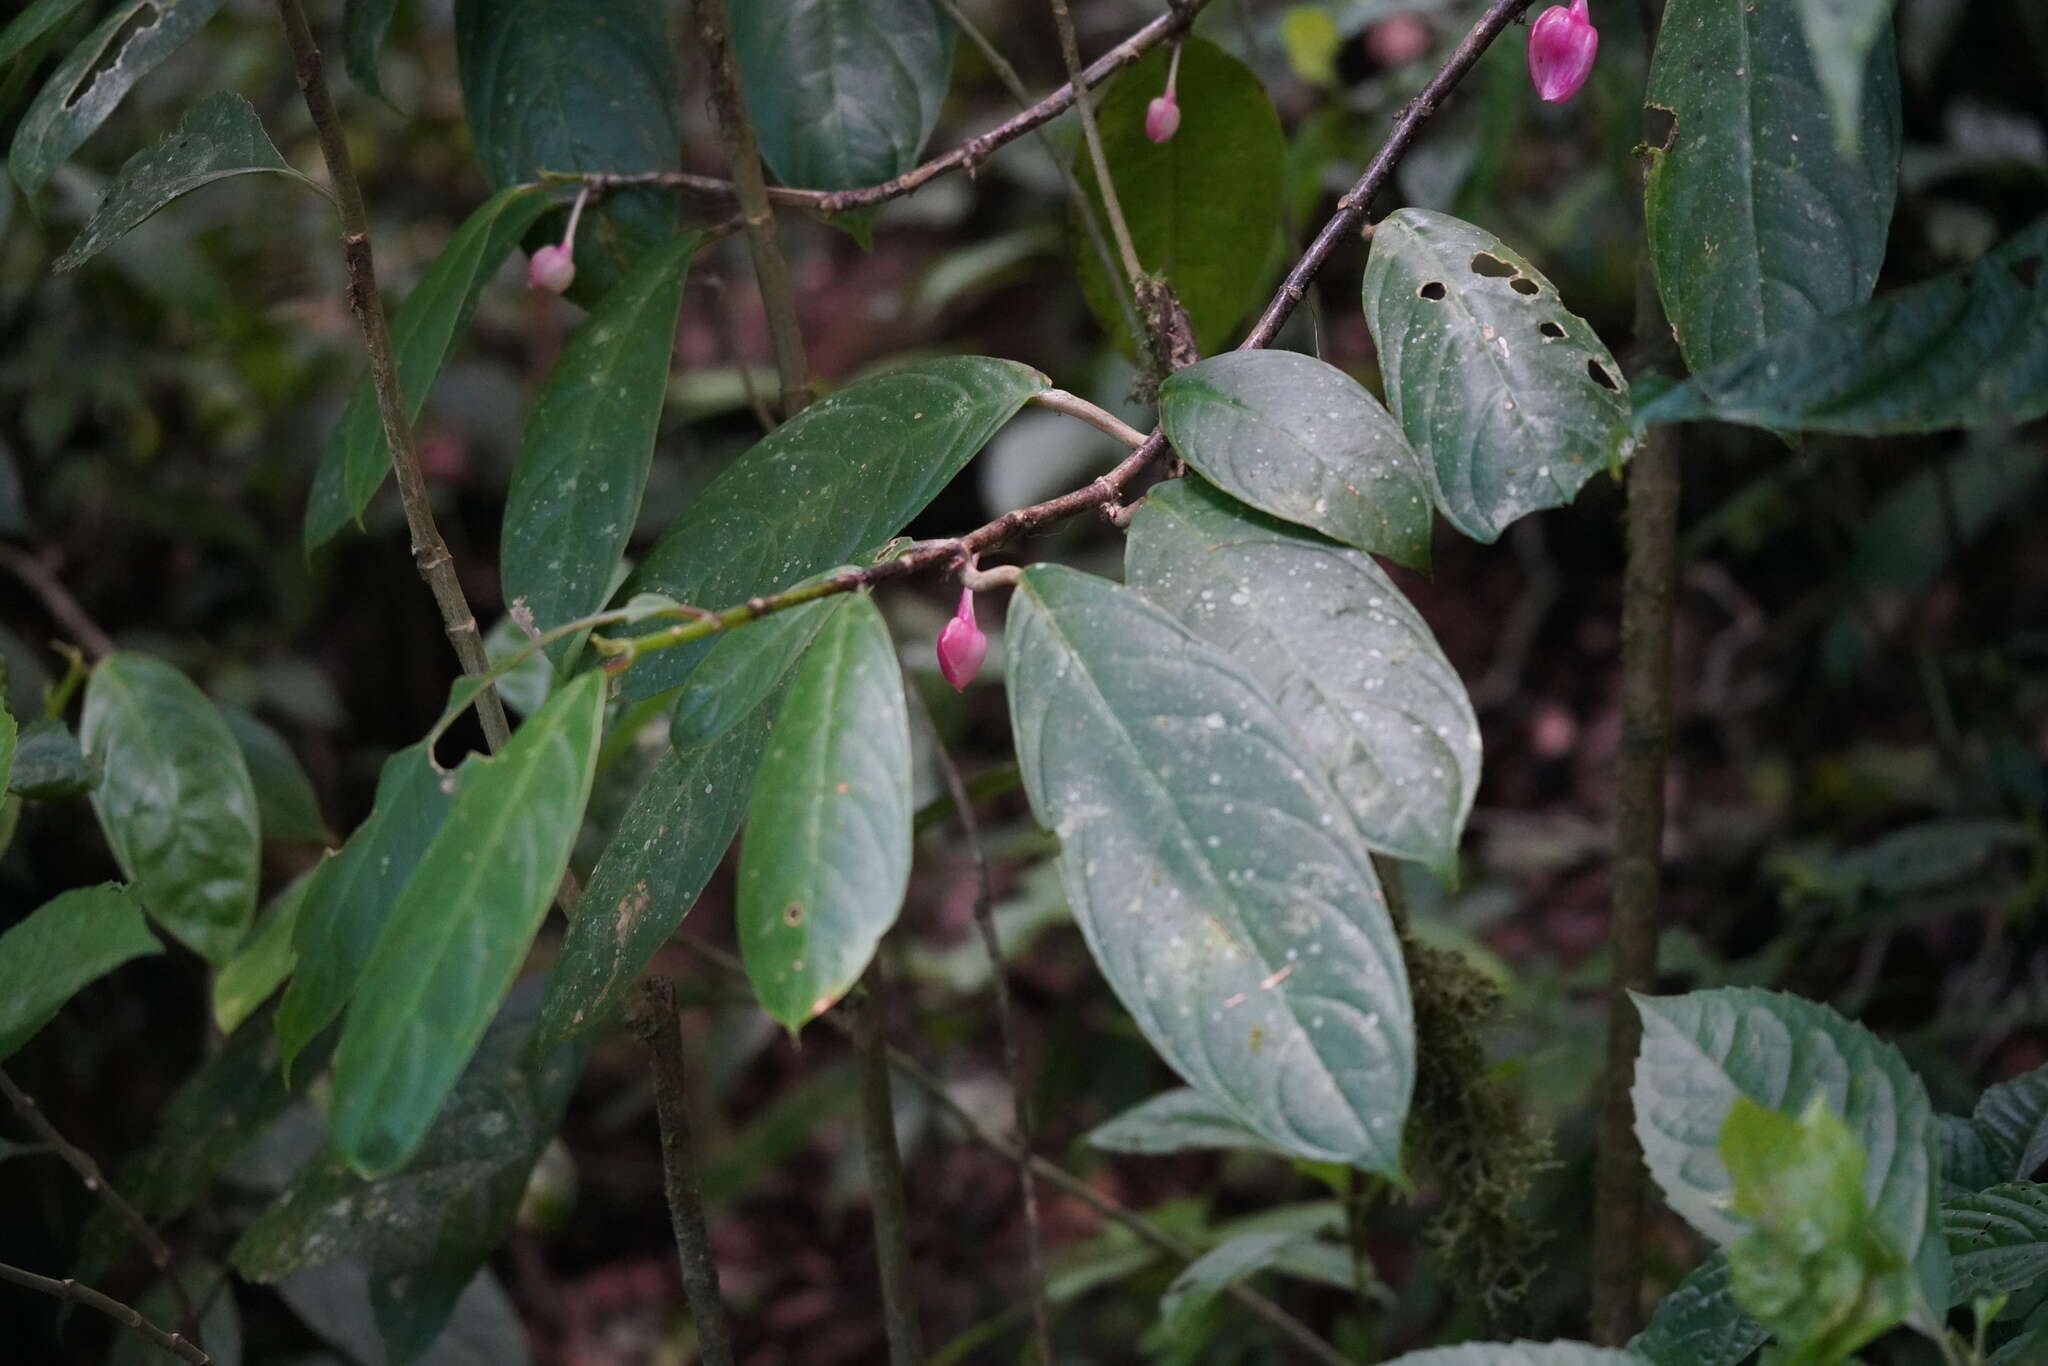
<point x="1070" y="53"/>
<point x="750" y="187"/>
<point x="1073" y="405"/>
<point x="429" y="550"/>
<point x="660" y="1028"/>
<point x="40" y="579"/>
<point x="885" y="1178"/>
<point x="125" y="1315"/>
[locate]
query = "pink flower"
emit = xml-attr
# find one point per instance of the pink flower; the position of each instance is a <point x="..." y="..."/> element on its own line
<point x="1162" y="116"/>
<point x="554" y="268"/>
<point x="1562" y="43"/>
<point x="962" y="646"/>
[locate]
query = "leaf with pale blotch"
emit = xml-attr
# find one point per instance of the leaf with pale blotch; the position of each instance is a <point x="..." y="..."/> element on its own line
<point x="1177" y="1121"/>
<point x="60" y="947"/>
<point x="1840" y="35"/>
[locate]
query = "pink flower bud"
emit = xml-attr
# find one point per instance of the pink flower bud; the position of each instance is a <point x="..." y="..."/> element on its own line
<point x="962" y="646"/>
<point x="1561" y="47"/>
<point x="1162" y="116"/>
<point x="552" y="268"/>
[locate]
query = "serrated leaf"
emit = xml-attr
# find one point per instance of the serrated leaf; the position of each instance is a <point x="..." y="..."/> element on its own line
<point x="286" y="808"/>
<point x="826" y="858"/>
<point x="1966" y="349"/>
<point x="220" y="137"/>
<point x="1699" y="1323"/>
<point x="88" y="84"/>
<point x="828" y="486"/>
<point x="363" y="25"/>
<point x="1519" y="1354"/>
<point x="2014" y="1115"/>
<point x="1213" y="870"/>
<point x="1507" y="394"/>
<point x="1182" y="1120"/>
<point x="48" y="763"/>
<point x="356" y="460"/>
<point x="61" y="946"/>
<point x="1210" y="246"/>
<point x="454" y="941"/>
<point x="589" y="441"/>
<point x="247" y="980"/>
<point x="1700" y="1051"/>
<point x="843" y="93"/>
<point x="1759" y="225"/>
<point x="174" y="799"/>
<point x="1302" y="440"/>
<point x="1997" y="1239"/>
<point x="1971" y="1159"/>
<point x="351" y="895"/>
<point x="1348" y="661"/>
<point x="1840" y="35"/>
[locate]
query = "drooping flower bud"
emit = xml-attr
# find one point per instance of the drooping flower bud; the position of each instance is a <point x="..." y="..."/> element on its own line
<point x="554" y="268"/>
<point x="962" y="646"/>
<point x="1162" y="116"/>
<point x="1562" y="43"/>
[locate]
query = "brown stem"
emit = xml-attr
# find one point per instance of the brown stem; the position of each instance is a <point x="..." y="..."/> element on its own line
<point x="40" y="579"/>
<point x="125" y="1315"/>
<point x="1070" y="53"/>
<point x="885" y="1178"/>
<point x="429" y="550"/>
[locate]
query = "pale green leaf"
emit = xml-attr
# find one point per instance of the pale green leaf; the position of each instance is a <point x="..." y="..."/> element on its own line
<point x="1216" y="1270"/>
<point x="48" y="763"/>
<point x="60" y="947"/>
<point x="1519" y="1354"/>
<point x="1182" y="1120"/>
<point x="247" y="980"/>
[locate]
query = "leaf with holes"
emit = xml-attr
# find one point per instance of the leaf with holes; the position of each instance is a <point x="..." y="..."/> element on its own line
<point x="1699" y="1323"/>
<point x="1997" y="1239"/>
<point x="1213" y="869"/>
<point x="86" y="87"/>
<point x="59" y="948"/>
<point x="826" y="856"/>
<point x="1348" y="661"/>
<point x="1758" y="225"/>
<point x="843" y="93"/>
<point x="1966" y="349"/>
<point x="286" y="808"/>
<point x="1177" y="1121"/>
<point x="1304" y="441"/>
<point x="1508" y="395"/>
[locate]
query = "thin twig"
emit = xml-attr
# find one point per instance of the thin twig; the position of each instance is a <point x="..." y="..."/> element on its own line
<point x="1070" y="53"/>
<point x="660" y="1028"/>
<point x="885" y="1178"/>
<point x="1073" y="405"/>
<point x="125" y="1315"/>
<point x="39" y="579"/>
<point x="429" y="550"/>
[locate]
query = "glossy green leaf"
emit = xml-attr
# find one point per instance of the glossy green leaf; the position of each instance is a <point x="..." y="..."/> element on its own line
<point x="1211" y="245"/>
<point x="831" y="484"/>
<point x="61" y="946"/>
<point x="1967" y="349"/>
<point x="744" y="667"/>
<point x="29" y="24"/>
<point x="1177" y="1121"/>
<point x="248" y="979"/>
<point x="286" y="808"/>
<point x="86" y="86"/>
<point x="1758" y="223"/>
<point x="2014" y="1116"/>
<point x="1510" y="396"/>
<point x="1841" y="34"/>
<point x="843" y="93"/>
<point x="1304" y="441"/>
<point x="48" y="763"/>
<point x="826" y="858"/>
<point x="589" y="441"/>
<point x="363" y="25"/>
<point x="1998" y="1239"/>
<point x="1699" y="1323"/>
<point x="1700" y="1051"/>
<point x="351" y="895"/>
<point x="1519" y="1354"/>
<point x="1214" y="871"/>
<point x="356" y="460"/>
<point x="175" y="800"/>
<point x="220" y="137"/>
<point x="462" y="924"/>
<point x="1348" y="661"/>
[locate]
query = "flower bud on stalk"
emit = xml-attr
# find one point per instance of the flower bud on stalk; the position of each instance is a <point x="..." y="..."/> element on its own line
<point x="1562" y="43"/>
<point x="1162" y="116"/>
<point x="553" y="268"/>
<point x="962" y="646"/>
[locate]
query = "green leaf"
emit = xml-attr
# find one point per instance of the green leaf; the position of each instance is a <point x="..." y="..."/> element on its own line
<point x="220" y="136"/>
<point x="1966" y="349"/>
<point x="41" y="17"/>
<point x="249" y="978"/>
<point x="1971" y="1159"/>
<point x="1699" y="1323"/>
<point x="48" y="763"/>
<point x="351" y="895"/>
<point x="1216" y="1270"/>
<point x="826" y="858"/>
<point x="286" y="808"/>
<point x="1305" y="442"/>
<point x="220" y="1323"/>
<point x="843" y="93"/>
<point x="1210" y="245"/>
<point x="583" y="462"/>
<point x="363" y="25"/>
<point x="1177" y="1121"/>
<point x="337" y="1302"/>
<point x="1758" y="224"/>
<point x="175" y="800"/>
<point x="1703" y="1050"/>
<point x="1350" y="664"/>
<point x="2014" y="1115"/>
<point x="1840" y="35"/>
<point x="356" y="460"/>
<point x="9" y="736"/>
<point x="454" y="941"/>
<point x="61" y="946"/>
<point x="829" y="485"/>
<point x="1997" y="1239"/>
<point x="87" y="85"/>
<point x="743" y="667"/>
<point x="1519" y="1354"/>
<point x="1213" y="870"/>
<point x="1511" y="397"/>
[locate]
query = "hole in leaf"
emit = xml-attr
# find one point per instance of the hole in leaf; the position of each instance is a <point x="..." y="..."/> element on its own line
<point x="1432" y="290"/>
<point x="112" y="52"/>
<point x="1550" y="329"/>
<point x="1491" y="266"/>
<point x="2027" y="270"/>
<point x="1660" y="126"/>
<point x="1522" y="284"/>
<point x="1600" y="376"/>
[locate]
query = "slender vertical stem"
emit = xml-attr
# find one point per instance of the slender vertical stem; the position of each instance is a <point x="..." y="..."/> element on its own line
<point x="885" y="1178"/>
<point x="660" y="1029"/>
<point x="429" y="550"/>
<point x="126" y="1315"/>
<point x="750" y="187"/>
<point x="1070" y="52"/>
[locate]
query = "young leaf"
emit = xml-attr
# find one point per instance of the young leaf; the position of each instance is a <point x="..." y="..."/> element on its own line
<point x="1213" y="870"/>
<point x="832" y="483"/>
<point x="286" y="808"/>
<point x="48" y="763"/>
<point x="247" y="980"/>
<point x="826" y="856"/>
<point x="363" y="24"/>
<point x="1304" y="441"/>
<point x="221" y="136"/>
<point x="462" y="924"/>
<point x="589" y="441"/>
<point x="61" y="946"/>
<point x="1699" y="1323"/>
<point x="1510" y="396"/>
<point x="1966" y="349"/>
<point x="1760" y="225"/>
<point x="843" y="93"/>
<point x="356" y="460"/>
<point x="1840" y="35"/>
<point x="175" y="800"/>
<point x="87" y="85"/>
<point x="1177" y="1121"/>
<point x="1997" y="1239"/>
<point x="1343" y="655"/>
<point x="1211" y="246"/>
<point x="1519" y="1354"/>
